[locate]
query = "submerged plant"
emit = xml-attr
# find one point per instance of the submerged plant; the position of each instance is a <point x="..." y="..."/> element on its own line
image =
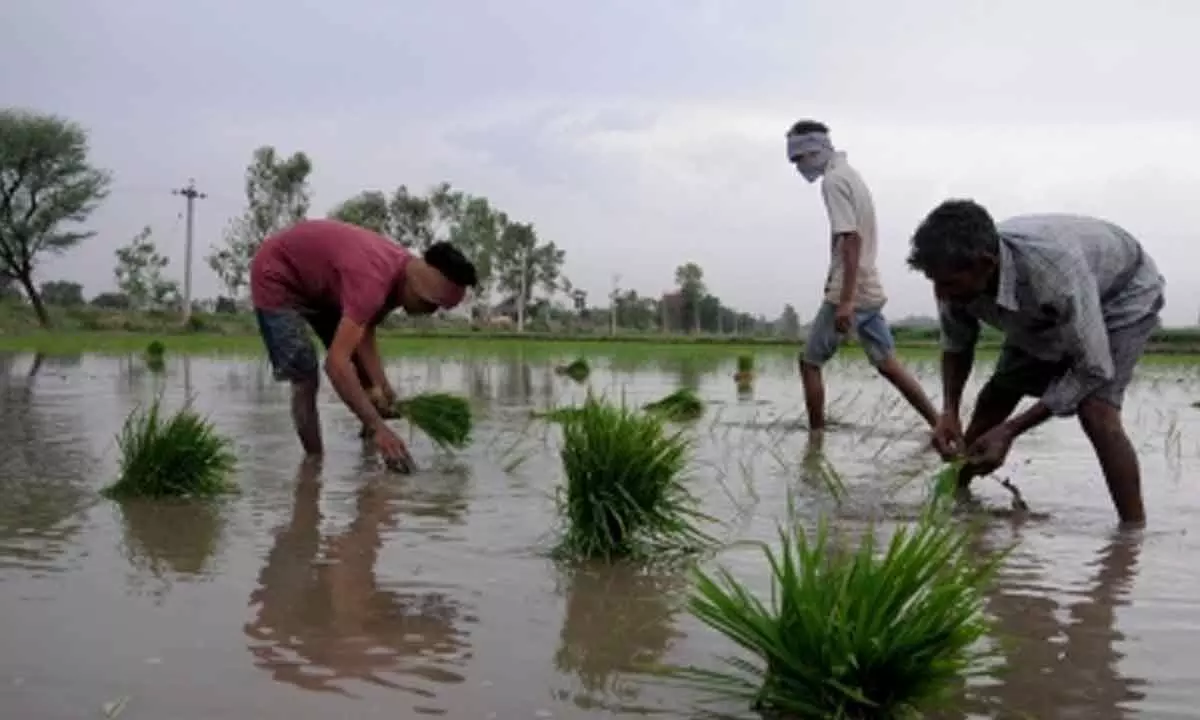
<point x="682" y="405"/>
<point x="578" y="370"/>
<point x="175" y="456"/>
<point x="445" y="418"/>
<point x="857" y="635"/>
<point x="625" y="492"/>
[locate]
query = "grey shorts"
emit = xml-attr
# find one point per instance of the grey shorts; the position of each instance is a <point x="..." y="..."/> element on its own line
<point x="870" y="326"/>
<point x="1018" y="371"/>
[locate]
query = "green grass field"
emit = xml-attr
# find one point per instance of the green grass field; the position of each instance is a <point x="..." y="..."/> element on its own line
<point x="88" y="330"/>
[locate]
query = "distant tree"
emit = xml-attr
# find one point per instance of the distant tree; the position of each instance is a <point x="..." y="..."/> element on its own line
<point x="46" y="183"/>
<point x="522" y="261"/>
<point x="62" y="293"/>
<point x="111" y="301"/>
<point x="367" y="210"/>
<point x="277" y="195"/>
<point x="139" y="274"/>
<point x="689" y="277"/>
<point x="226" y="306"/>
<point x="789" y="322"/>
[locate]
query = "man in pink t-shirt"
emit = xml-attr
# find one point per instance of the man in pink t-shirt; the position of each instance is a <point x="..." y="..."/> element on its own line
<point x="342" y="280"/>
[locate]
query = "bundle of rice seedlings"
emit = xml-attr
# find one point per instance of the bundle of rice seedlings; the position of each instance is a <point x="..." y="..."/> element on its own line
<point x="745" y="370"/>
<point x="176" y="456"/>
<point x="853" y="634"/>
<point x="578" y="370"/>
<point x="682" y="405"/>
<point x="625" y="494"/>
<point x="154" y="355"/>
<point x="944" y="488"/>
<point x="445" y="418"/>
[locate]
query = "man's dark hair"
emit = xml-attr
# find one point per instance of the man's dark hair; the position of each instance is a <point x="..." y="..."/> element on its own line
<point x="449" y="261"/>
<point x="807" y="126"/>
<point x="952" y="237"/>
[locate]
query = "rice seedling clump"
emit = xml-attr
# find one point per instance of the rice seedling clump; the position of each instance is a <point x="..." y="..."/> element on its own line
<point x="852" y="634"/>
<point x="624" y="494"/>
<point x="171" y="456"/>
<point x="578" y="370"/>
<point x="445" y="418"/>
<point x="683" y="405"/>
<point x="155" y="351"/>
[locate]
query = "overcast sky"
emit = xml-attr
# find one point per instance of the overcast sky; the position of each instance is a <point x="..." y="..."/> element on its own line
<point x="636" y="134"/>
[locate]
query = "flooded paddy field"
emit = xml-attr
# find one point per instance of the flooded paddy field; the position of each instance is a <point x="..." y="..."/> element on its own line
<point x="346" y="591"/>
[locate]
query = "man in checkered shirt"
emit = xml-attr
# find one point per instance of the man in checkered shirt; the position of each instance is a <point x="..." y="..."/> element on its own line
<point x="1077" y="299"/>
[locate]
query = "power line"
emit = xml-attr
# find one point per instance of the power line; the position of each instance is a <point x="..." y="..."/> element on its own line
<point x="191" y="194"/>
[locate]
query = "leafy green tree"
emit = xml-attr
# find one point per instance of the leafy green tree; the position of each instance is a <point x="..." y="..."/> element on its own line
<point x="111" y="301"/>
<point x="636" y="312"/>
<point x="789" y="322"/>
<point x="277" y="195"/>
<point x="523" y="264"/>
<point x="62" y="293"/>
<point x="47" y="184"/>
<point x="689" y="277"/>
<point x="368" y="209"/>
<point x="413" y="220"/>
<point x="477" y="234"/>
<point x="139" y="273"/>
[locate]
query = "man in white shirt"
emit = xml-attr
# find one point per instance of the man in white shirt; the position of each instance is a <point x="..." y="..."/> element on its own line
<point x="854" y="297"/>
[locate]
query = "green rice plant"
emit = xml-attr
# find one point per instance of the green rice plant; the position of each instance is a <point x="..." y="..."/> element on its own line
<point x="944" y="487"/>
<point x="578" y="370"/>
<point x="154" y="356"/>
<point x="745" y="363"/>
<point x="683" y="405"/>
<point x="625" y="492"/>
<point x="179" y="455"/>
<point x="853" y="635"/>
<point x="445" y="418"/>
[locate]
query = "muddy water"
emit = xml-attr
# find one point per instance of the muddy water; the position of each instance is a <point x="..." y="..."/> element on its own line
<point x="342" y="591"/>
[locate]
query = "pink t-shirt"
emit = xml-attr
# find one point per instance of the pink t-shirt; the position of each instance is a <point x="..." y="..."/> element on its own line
<point x="319" y="266"/>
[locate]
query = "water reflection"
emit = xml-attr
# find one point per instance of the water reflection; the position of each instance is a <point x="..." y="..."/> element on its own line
<point x="45" y="467"/>
<point x="691" y="368"/>
<point x="171" y="539"/>
<point x="478" y="379"/>
<point x="1062" y="658"/>
<point x="516" y="381"/>
<point x="619" y="618"/>
<point x="324" y="618"/>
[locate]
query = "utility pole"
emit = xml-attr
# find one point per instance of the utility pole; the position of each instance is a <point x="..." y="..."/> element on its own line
<point x="191" y="193"/>
<point x="612" y="306"/>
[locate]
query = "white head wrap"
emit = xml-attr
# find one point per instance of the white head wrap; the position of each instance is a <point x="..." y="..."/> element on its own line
<point x="811" y="166"/>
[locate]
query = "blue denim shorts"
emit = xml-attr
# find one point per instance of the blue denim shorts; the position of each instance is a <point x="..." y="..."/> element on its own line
<point x="289" y="346"/>
<point x="869" y="325"/>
